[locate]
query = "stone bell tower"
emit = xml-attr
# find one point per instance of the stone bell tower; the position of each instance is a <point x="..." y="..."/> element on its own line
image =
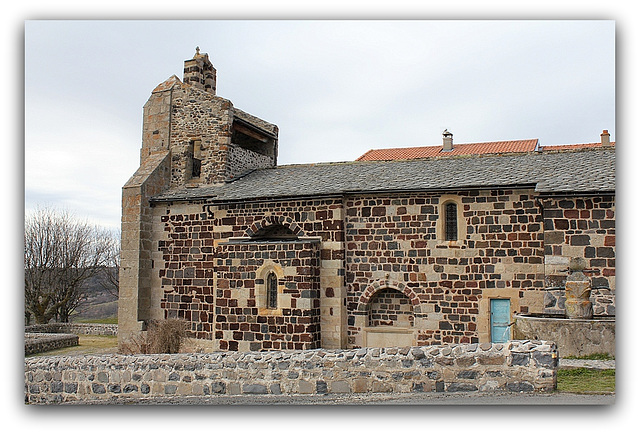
<point x="190" y="138"/>
<point x="199" y="72"/>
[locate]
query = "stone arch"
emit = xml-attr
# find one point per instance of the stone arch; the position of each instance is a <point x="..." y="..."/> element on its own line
<point x="259" y="227"/>
<point x="261" y="289"/>
<point x="386" y="333"/>
<point x="461" y="232"/>
<point x="371" y="290"/>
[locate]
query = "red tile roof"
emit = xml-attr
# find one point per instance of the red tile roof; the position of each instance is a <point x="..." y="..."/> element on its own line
<point x="510" y="146"/>
<point x="504" y="147"/>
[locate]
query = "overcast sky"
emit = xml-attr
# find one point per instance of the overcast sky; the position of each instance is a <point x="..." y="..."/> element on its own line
<point x="335" y="89"/>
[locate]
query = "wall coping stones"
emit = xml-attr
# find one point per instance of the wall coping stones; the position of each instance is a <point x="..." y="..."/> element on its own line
<point x="76" y="328"/>
<point x="514" y="366"/>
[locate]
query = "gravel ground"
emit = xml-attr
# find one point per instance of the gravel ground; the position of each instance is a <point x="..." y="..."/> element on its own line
<point x="474" y="398"/>
<point x="590" y="364"/>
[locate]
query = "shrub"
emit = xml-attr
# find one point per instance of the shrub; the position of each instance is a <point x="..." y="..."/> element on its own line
<point x="162" y="337"/>
<point x="167" y="335"/>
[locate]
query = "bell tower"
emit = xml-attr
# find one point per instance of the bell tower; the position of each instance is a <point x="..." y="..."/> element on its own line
<point x="199" y="72"/>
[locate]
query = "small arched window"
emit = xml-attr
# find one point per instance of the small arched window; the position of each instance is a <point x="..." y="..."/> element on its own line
<point x="451" y="221"/>
<point x="272" y="291"/>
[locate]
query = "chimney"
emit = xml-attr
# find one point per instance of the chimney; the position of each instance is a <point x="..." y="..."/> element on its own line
<point x="199" y="72"/>
<point x="604" y="138"/>
<point x="447" y="141"/>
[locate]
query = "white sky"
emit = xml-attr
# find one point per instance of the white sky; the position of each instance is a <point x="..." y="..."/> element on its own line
<point x="335" y="89"/>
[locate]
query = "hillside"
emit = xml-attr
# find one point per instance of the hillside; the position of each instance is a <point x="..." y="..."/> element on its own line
<point x="99" y="303"/>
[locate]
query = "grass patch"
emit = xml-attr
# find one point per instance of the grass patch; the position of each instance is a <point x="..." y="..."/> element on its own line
<point x="87" y="344"/>
<point x="583" y="380"/>
<point x="594" y="356"/>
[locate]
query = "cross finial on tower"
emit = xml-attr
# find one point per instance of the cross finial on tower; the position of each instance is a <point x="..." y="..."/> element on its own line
<point x="197" y="51"/>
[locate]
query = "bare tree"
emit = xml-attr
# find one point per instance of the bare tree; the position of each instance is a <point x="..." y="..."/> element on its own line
<point x="111" y="272"/>
<point x="60" y="254"/>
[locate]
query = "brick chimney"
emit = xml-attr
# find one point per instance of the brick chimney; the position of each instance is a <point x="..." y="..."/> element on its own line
<point x="447" y="141"/>
<point x="199" y="72"/>
<point x="604" y="138"/>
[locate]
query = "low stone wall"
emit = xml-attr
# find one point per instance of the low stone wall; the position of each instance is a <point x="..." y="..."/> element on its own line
<point x="514" y="366"/>
<point x="41" y="342"/>
<point x="573" y="337"/>
<point x="75" y="328"/>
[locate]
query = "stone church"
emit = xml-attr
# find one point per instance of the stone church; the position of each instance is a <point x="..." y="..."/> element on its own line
<point x="407" y="246"/>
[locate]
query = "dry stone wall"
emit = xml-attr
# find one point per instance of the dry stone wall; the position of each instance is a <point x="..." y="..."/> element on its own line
<point x="517" y="366"/>
<point x="41" y="342"/>
<point x="76" y="328"/>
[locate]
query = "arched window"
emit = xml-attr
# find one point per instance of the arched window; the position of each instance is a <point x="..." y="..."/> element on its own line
<point x="451" y="221"/>
<point x="272" y="291"/>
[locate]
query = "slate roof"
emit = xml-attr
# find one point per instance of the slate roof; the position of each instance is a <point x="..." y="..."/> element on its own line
<point x="581" y="171"/>
<point x="501" y="147"/>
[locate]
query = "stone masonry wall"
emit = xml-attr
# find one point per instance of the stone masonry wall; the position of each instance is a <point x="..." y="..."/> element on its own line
<point x="603" y="301"/>
<point x="517" y="366"/>
<point x="198" y="115"/>
<point x="242" y="323"/>
<point x="580" y="227"/>
<point x="191" y="257"/>
<point x="398" y="239"/>
<point x="41" y="342"/>
<point x="241" y="160"/>
<point x="76" y="328"/>
<point x="390" y="243"/>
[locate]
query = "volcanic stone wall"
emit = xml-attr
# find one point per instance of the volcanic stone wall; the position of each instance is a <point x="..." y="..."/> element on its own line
<point x="208" y="280"/>
<point x="198" y="115"/>
<point x="517" y="366"/>
<point x="370" y="245"/>
<point x="241" y="160"/>
<point x="41" y="342"/>
<point x="75" y="328"/>
<point x="241" y="323"/>
<point x="398" y="239"/>
<point x="580" y="227"/>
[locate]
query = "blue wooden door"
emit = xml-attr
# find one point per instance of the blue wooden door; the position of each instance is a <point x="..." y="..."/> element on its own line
<point x="500" y="319"/>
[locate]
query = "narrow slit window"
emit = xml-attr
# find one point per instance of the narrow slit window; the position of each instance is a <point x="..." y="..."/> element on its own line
<point x="272" y="291"/>
<point x="451" y="222"/>
<point x="196" y="160"/>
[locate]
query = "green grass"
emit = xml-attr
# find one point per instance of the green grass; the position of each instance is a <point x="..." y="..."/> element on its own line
<point x="594" y="356"/>
<point x="583" y="380"/>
